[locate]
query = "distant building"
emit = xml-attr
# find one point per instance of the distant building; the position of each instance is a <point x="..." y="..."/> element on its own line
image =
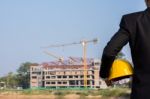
<point x="2" y="85"/>
<point x="69" y="73"/>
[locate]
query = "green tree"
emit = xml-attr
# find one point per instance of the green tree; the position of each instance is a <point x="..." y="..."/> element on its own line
<point x="10" y="80"/>
<point x="23" y="75"/>
<point x="21" y="79"/>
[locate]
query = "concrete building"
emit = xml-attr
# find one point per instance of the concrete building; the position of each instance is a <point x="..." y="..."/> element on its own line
<point x="69" y="73"/>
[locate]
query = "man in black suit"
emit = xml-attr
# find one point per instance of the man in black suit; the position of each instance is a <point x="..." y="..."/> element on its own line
<point x="135" y="29"/>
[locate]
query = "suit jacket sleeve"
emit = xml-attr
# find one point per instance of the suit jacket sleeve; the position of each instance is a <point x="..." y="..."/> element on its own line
<point x="114" y="46"/>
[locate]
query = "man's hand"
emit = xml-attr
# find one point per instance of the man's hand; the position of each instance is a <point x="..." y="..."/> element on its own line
<point x="108" y="82"/>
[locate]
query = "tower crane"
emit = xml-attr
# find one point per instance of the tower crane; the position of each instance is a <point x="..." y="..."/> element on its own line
<point x="84" y="45"/>
<point x="60" y="59"/>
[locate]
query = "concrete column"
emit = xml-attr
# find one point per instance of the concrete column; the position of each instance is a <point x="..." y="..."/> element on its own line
<point x="91" y="84"/>
<point x="56" y="84"/>
<point x="67" y="84"/>
<point x="79" y="83"/>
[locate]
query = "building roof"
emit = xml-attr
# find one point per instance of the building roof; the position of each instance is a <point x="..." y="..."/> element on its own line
<point x="71" y="63"/>
<point x="65" y="67"/>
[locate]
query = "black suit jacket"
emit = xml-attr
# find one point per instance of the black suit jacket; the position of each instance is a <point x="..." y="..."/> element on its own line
<point x="135" y="29"/>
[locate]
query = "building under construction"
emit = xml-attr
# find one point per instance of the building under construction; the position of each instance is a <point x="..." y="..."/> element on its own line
<point x="66" y="74"/>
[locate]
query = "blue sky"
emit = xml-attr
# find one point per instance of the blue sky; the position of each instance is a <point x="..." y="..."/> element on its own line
<point x="27" y="25"/>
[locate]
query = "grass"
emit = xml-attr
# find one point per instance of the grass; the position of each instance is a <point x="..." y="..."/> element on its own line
<point x="114" y="92"/>
<point x="110" y="92"/>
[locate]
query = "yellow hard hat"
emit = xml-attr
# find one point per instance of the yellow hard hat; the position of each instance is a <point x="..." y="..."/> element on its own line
<point x="120" y="69"/>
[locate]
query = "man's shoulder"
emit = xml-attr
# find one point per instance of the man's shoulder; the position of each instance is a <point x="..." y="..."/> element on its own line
<point x="133" y="15"/>
<point x="131" y="20"/>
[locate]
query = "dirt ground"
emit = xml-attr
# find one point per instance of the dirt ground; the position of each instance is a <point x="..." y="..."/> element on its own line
<point x="70" y="96"/>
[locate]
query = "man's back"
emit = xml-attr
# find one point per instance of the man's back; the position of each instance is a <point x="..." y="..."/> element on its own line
<point x="141" y="55"/>
<point x="135" y="29"/>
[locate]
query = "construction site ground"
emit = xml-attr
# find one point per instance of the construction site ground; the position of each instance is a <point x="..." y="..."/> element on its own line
<point x="111" y="93"/>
